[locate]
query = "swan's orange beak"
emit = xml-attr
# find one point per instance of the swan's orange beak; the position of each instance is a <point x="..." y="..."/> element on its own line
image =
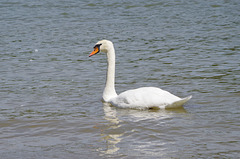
<point x="95" y="51"/>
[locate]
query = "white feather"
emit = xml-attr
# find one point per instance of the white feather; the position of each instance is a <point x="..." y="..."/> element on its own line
<point x="147" y="97"/>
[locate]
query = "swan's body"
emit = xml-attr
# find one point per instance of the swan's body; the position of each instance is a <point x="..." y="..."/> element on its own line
<point x="141" y="98"/>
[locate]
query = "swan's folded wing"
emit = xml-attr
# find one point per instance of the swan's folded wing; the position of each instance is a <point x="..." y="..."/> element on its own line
<point x="147" y="97"/>
<point x="178" y="104"/>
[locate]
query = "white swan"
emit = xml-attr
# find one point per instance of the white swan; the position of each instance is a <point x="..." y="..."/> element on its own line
<point x="141" y="98"/>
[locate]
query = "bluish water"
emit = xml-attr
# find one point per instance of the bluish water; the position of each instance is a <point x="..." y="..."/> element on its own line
<point x="50" y="91"/>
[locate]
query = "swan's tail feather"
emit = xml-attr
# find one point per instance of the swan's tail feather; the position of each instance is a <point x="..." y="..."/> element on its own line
<point x="178" y="104"/>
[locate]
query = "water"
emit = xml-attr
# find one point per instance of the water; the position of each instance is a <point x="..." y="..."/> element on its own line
<point x="51" y="91"/>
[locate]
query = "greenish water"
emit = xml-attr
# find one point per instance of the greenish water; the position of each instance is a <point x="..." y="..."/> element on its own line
<point x="50" y="91"/>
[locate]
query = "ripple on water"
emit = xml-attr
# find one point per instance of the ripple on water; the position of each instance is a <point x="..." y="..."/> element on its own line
<point x="51" y="91"/>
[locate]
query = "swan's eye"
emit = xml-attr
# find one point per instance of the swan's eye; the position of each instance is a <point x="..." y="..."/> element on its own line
<point x="98" y="45"/>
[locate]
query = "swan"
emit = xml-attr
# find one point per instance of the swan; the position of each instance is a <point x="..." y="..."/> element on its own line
<point x="140" y="98"/>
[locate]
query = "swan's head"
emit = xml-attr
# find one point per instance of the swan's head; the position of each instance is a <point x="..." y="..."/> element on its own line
<point x="102" y="46"/>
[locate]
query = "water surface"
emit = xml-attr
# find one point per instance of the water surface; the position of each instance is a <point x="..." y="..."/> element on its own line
<point x="50" y="91"/>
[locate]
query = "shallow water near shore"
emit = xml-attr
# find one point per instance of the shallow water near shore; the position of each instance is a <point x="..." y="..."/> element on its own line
<point x="50" y="90"/>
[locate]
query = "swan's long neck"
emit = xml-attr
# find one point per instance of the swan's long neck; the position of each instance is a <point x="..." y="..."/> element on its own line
<point x="109" y="91"/>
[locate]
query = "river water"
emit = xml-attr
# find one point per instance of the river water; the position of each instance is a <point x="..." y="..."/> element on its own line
<point x="50" y="90"/>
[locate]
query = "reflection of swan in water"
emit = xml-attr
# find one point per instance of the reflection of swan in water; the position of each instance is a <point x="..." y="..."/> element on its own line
<point x="114" y="132"/>
<point x="111" y="134"/>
